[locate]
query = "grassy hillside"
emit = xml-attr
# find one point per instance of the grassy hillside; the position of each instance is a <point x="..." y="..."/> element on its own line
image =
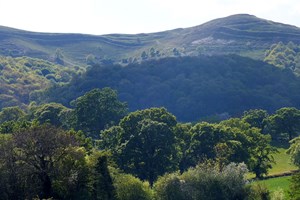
<point x="283" y="163"/>
<point x="243" y="34"/>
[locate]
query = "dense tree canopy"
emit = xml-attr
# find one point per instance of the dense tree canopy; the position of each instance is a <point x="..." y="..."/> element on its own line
<point x="144" y="143"/>
<point x="97" y="110"/>
<point x="190" y="87"/>
<point x="11" y="114"/>
<point x="285" y="123"/>
<point x="21" y="78"/>
<point x="39" y="162"/>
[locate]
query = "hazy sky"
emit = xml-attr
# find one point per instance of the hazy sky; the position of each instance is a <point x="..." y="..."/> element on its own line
<point x="135" y="16"/>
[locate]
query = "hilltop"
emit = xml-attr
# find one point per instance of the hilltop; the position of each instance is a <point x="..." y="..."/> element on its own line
<point x="240" y="34"/>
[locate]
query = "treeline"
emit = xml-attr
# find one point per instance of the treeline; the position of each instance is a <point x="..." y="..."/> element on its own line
<point x="189" y="87"/>
<point x="97" y="150"/>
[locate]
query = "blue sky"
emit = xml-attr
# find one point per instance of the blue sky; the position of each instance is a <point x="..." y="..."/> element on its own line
<point x="135" y="16"/>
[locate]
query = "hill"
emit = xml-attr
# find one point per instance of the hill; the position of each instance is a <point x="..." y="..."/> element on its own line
<point x="21" y="77"/>
<point x="240" y="34"/>
<point x="189" y="87"/>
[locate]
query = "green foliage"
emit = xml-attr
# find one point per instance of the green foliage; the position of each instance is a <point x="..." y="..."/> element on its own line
<point x="275" y="187"/>
<point x="103" y="185"/>
<point x="294" y="151"/>
<point x="22" y="78"/>
<point x="256" y="118"/>
<point x="278" y="195"/>
<point x="190" y="87"/>
<point x="211" y="141"/>
<point x="97" y="110"/>
<point x="295" y="187"/>
<point x="284" y="56"/>
<point x="285" y="123"/>
<point x="183" y="140"/>
<point x="11" y="114"/>
<point x="204" y="182"/>
<point x="256" y="146"/>
<point x="13" y="126"/>
<point x="129" y="187"/>
<point x="261" y="155"/>
<point x="143" y="143"/>
<point x="168" y="187"/>
<point x="48" y="113"/>
<point x="259" y="192"/>
<point x="42" y="161"/>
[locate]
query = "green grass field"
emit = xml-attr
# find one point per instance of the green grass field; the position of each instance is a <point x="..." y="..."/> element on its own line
<point x="275" y="184"/>
<point x="283" y="163"/>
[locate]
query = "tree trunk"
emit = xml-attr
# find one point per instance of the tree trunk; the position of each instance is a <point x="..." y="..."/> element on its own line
<point x="46" y="185"/>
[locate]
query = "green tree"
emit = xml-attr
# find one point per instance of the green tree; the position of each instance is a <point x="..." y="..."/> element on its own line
<point x="294" y="191"/>
<point x="59" y="57"/>
<point x="169" y="187"/>
<point x="149" y="153"/>
<point x="129" y="187"/>
<point x="256" y="147"/>
<point x="11" y="114"/>
<point x="47" y="162"/>
<point x="183" y="140"/>
<point x="13" y="126"/>
<point x="294" y="151"/>
<point x="144" y="143"/>
<point x="103" y="185"/>
<point x="261" y="155"/>
<point x="285" y="123"/>
<point x="211" y="141"/>
<point x="256" y="118"/>
<point x="49" y="113"/>
<point x="97" y="110"/>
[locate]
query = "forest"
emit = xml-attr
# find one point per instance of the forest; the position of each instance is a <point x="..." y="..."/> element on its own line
<point x="191" y="88"/>
<point x="98" y="149"/>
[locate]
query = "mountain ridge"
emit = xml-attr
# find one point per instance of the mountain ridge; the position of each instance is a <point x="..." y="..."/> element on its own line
<point x="241" y="34"/>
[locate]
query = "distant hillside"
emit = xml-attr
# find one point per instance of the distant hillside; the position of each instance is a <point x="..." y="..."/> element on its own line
<point x="241" y="34"/>
<point x="21" y="77"/>
<point x="189" y="87"/>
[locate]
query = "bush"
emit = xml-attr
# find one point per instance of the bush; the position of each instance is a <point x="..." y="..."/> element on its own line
<point x="295" y="187"/>
<point x="259" y="192"/>
<point x="168" y="187"/>
<point x="129" y="187"/>
<point x="205" y="181"/>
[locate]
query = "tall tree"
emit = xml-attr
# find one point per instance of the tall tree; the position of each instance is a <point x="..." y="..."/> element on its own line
<point x="97" y="110"/>
<point x="285" y="123"/>
<point x="145" y="143"/>
<point x="48" y="162"/>
<point x="256" y="118"/>
<point x="103" y="185"/>
<point x="256" y="147"/>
